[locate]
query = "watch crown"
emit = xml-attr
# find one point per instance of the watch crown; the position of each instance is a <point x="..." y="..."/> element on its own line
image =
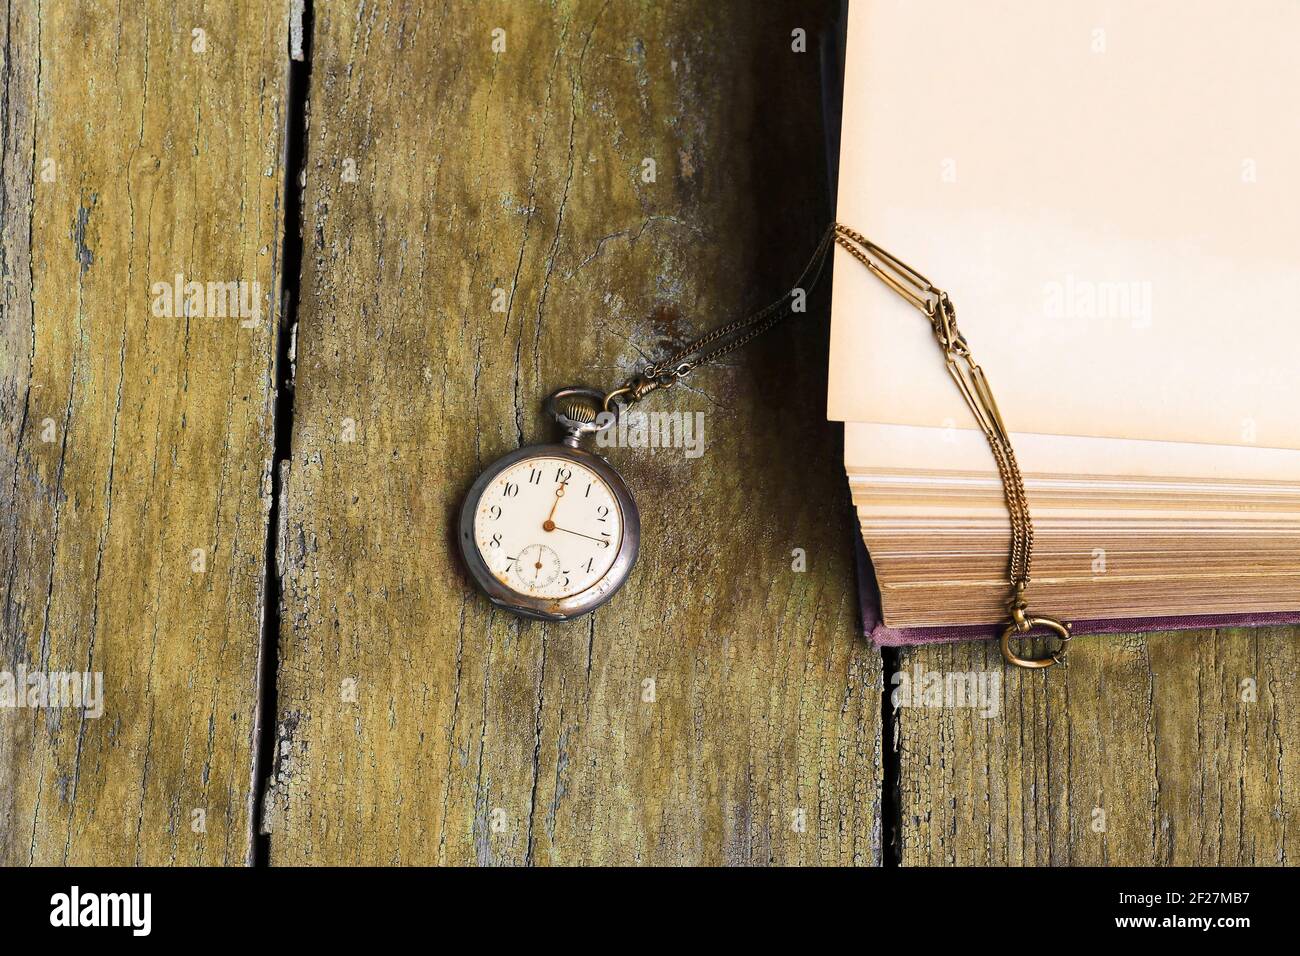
<point x="578" y="409"/>
<point x="579" y="412"/>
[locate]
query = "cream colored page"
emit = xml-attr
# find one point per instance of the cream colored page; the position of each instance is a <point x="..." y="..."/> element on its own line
<point x="1111" y="203"/>
<point x="923" y="450"/>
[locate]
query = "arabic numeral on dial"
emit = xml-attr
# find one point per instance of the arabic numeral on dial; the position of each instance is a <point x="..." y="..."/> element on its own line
<point x="511" y="490"/>
<point x="603" y="512"/>
<point x="534" y="477"/>
<point x="510" y="562"/>
<point x="496" y="541"/>
<point x="590" y="564"/>
<point x="494" y="512"/>
<point x="562" y="475"/>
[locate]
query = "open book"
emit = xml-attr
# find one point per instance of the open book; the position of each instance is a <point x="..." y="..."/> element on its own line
<point x="1114" y="209"/>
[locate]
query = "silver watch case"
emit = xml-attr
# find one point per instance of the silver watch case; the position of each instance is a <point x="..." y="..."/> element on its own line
<point x="553" y="609"/>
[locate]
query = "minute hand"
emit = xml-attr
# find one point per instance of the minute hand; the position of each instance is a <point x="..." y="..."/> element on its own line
<point x="600" y="541"/>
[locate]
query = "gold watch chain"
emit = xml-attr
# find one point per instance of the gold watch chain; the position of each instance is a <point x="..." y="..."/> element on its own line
<point x="971" y="381"/>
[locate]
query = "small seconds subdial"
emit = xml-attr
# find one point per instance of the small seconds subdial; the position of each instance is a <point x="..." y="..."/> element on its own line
<point x="548" y="527"/>
<point x="537" y="567"/>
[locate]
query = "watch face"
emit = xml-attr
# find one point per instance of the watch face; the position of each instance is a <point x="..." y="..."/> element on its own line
<point x="547" y="532"/>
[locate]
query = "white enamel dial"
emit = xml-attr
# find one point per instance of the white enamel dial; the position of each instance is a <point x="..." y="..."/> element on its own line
<point x="548" y="527"/>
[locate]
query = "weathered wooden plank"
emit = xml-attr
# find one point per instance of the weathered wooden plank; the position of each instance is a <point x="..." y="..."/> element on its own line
<point x="1167" y="748"/>
<point x="134" y="150"/>
<point x="415" y="724"/>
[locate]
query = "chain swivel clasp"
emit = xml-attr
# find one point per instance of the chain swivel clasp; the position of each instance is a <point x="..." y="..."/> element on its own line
<point x="652" y="379"/>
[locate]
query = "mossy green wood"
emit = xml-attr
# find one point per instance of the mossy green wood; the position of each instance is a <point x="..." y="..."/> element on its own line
<point x="613" y="181"/>
<point x="136" y="149"/>
<point x="1158" y="749"/>
<point x="723" y="709"/>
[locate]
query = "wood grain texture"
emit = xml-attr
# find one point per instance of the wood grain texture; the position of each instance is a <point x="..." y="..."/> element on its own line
<point x="416" y="725"/>
<point x="129" y="439"/>
<point x="1161" y="749"/>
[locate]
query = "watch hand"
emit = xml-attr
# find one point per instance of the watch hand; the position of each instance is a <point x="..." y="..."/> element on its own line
<point x="600" y="541"/>
<point x="549" y="523"/>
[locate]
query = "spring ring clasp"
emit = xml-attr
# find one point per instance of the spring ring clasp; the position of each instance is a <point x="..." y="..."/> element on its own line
<point x="1021" y="624"/>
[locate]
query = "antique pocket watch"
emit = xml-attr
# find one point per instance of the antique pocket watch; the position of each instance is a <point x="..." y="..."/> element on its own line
<point x="552" y="531"/>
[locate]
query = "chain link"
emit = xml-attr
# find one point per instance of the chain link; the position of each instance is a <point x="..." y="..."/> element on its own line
<point x="732" y="335"/>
